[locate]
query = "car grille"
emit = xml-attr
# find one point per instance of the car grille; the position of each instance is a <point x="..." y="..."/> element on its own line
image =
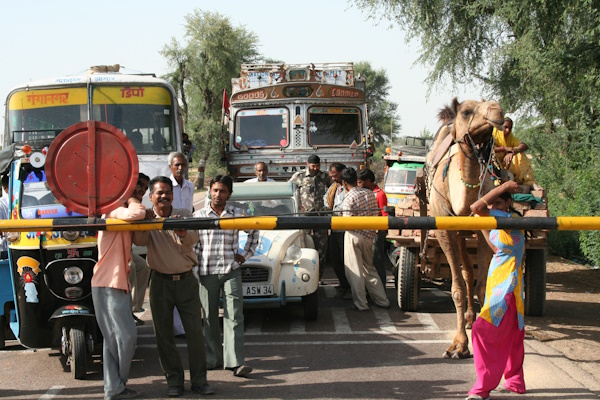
<point x="255" y="274"/>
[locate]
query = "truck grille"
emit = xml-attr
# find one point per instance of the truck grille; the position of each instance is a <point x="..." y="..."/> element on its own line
<point x="255" y="274"/>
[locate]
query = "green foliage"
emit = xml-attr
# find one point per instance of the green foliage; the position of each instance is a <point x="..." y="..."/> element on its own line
<point x="203" y="66"/>
<point x="206" y="135"/>
<point x="566" y="165"/>
<point x="382" y="112"/>
<point x="540" y="59"/>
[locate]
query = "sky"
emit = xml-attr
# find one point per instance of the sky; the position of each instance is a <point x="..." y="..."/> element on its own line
<point x="44" y="39"/>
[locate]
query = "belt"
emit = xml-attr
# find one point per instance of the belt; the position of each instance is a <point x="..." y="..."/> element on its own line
<point x="173" y="277"/>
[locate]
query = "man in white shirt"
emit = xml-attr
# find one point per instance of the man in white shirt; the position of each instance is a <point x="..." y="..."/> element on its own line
<point x="183" y="190"/>
<point x="261" y="171"/>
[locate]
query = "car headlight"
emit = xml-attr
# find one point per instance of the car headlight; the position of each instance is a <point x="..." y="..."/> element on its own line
<point x="293" y="254"/>
<point x="70" y="235"/>
<point x="73" y="275"/>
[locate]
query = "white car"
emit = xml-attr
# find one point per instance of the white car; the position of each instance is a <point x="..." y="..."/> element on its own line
<point x="285" y="265"/>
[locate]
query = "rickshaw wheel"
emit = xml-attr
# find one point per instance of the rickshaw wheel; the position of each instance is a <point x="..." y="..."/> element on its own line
<point x="78" y="357"/>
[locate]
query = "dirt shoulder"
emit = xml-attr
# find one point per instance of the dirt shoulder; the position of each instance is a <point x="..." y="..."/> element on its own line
<point x="571" y="324"/>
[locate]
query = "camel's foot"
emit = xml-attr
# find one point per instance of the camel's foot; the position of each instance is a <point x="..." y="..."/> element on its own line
<point x="456" y="355"/>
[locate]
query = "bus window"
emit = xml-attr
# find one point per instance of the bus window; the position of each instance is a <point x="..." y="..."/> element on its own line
<point x="143" y="113"/>
<point x="266" y="127"/>
<point x="43" y="114"/>
<point x="334" y="126"/>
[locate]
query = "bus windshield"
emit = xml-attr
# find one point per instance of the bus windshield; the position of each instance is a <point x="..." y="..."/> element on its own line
<point x="143" y="113"/>
<point x="43" y="114"/>
<point x="334" y="126"/>
<point x="266" y="127"/>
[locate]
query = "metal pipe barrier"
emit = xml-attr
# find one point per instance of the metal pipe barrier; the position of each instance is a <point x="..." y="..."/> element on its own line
<point x="573" y="223"/>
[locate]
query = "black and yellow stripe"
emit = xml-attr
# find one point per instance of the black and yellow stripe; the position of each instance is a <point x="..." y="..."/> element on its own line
<point x="305" y="222"/>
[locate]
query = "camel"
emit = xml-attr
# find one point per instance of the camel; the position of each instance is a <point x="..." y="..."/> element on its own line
<point x="459" y="179"/>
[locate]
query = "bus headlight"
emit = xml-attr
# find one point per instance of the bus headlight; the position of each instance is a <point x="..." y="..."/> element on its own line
<point x="13" y="237"/>
<point x="70" y="235"/>
<point x="73" y="275"/>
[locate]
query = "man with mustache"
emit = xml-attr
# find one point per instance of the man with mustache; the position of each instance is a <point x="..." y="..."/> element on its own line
<point x="172" y="284"/>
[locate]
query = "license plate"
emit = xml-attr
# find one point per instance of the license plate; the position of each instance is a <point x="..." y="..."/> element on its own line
<point x="258" y="290"/>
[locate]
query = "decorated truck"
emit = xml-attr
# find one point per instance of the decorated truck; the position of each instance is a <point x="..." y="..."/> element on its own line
<point x="281" y="113"/>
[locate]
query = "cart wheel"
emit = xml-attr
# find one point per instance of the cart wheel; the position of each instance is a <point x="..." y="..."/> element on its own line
<point x="78" y="356"/>
<point x="2" y="331"/>
<point x="311" y="306"/>
<point x="409" y="281"/>
<point x="535" y="282"/>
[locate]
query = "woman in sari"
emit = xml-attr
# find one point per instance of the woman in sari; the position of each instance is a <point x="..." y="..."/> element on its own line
<point x="499" y="332"/>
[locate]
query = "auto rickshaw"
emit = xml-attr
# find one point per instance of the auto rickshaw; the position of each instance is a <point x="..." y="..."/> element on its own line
<point x="50" y="272"/>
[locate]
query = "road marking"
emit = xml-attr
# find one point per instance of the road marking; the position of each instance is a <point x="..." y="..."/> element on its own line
<point x="52" y="392"/>
<point x="324" y="342"/>
<point x="383" y="319"/>
<point x="340" y="320"/>
<point x="329" y="333"/>
<point x="437" y="292"/>
<point x="427" y="321"/>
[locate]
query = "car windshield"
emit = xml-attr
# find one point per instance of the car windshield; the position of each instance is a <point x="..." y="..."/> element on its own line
<point x="258" y="208"/>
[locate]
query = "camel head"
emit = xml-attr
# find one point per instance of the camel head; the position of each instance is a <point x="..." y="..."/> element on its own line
<point x="476" y="118"/>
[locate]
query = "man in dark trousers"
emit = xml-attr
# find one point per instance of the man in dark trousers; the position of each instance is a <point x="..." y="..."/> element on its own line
<point x="172" y="284"/>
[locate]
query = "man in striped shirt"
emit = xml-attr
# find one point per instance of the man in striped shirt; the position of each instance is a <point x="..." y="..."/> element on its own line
<point x="219" y="261"/>
<point x="358" y="246"/>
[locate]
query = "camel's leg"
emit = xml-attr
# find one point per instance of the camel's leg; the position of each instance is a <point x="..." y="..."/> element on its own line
<point x="484" y="256"/>
<point x="468" y="276"/>
<point x="460" y="344"/>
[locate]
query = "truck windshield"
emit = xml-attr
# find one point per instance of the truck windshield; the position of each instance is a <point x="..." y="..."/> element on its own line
<point x="267" y="127"/>
<point x="334" y="126"/>
<point x="400" y="181"/>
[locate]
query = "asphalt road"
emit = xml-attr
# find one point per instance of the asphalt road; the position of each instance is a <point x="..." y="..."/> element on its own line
<point x="345" y="354"/>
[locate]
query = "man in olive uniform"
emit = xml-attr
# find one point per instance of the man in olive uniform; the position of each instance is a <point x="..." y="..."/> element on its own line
<point x="312" y="184"/>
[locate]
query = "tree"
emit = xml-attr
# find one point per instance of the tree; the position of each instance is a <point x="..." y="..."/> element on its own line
<point x="382" y="112"/>
<point x="204" y="66"/>
<point x="538" y="58"/>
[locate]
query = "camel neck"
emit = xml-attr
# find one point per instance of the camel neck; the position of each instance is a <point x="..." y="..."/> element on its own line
<point x="468" y="167"/>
